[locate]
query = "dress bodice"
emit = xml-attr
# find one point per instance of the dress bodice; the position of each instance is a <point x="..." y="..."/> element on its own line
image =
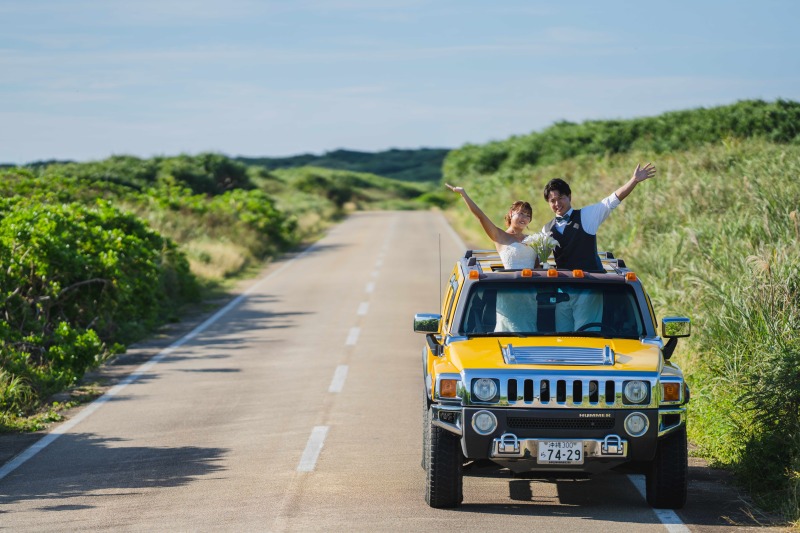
<point x="518" y="255"/>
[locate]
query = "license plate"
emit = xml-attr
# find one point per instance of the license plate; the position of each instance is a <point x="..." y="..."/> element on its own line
<point x="560" y="452"/>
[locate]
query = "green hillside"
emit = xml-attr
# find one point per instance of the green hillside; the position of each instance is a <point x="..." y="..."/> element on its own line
<point x="422" y="165"/>
<point x="714" y="236"/>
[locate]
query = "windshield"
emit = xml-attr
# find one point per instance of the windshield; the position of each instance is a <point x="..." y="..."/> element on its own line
<point x="606" y="310"/>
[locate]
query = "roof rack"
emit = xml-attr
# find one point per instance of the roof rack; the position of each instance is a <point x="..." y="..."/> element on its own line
<point x="489" y="261"/>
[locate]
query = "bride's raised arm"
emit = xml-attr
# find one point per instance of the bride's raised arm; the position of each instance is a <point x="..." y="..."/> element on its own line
<point x="498" y="235"/>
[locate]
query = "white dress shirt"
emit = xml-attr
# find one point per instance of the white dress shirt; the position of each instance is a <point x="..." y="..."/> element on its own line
<point x="591" y="215"/>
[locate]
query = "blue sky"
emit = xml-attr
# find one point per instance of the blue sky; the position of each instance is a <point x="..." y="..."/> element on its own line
<point x="87" y="79"/>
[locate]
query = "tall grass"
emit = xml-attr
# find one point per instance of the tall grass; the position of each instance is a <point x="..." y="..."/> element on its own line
<point x="713" y="236"/>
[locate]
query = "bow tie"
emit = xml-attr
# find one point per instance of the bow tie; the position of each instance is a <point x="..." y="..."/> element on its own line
<point x="565" y="218"/>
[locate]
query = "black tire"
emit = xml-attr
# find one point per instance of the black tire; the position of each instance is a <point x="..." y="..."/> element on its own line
<point x="426" y="422"/>
<point x="668" y="474"/>
<point x="444" y="484"/>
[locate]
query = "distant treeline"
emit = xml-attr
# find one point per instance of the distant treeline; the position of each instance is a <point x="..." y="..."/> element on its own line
<point x="679" y="130"/>
<point x="422" y="165"/>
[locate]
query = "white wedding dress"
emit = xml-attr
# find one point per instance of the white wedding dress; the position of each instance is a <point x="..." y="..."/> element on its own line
<point x="516" y="311"/>
<point x="517" y="255"/>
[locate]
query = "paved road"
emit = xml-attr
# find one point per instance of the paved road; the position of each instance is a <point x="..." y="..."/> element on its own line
<point x="297" y="409"/>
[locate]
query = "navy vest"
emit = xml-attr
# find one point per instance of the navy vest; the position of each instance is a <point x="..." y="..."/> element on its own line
<point x="577" y="249"/>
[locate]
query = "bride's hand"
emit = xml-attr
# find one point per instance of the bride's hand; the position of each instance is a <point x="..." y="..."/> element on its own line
<point x="458" y="190"/>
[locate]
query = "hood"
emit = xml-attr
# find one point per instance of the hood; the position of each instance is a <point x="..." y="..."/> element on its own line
<point x="487" y="353"/>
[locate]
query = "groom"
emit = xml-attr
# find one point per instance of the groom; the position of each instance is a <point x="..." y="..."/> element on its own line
<point x="576" y="229"/>
<point x="576" y="233"/>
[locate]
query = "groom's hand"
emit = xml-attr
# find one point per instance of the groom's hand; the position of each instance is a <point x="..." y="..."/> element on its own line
<point x="643" y="173"/>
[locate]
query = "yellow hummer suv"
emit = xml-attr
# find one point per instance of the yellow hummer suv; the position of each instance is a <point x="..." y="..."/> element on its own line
<point x="552" y="371"/>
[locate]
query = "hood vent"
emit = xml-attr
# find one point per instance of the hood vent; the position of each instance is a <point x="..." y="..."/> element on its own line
<point x="554" y="355"/>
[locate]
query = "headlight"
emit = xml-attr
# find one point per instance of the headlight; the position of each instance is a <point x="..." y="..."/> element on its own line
<point x="636" y="424"/>
<point x="636" y="391"/>
<point x="484" y="389"/>
<point x="484" y="422"/>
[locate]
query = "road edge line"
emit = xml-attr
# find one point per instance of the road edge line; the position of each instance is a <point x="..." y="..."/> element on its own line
<point x="668" y="517"/>
<point x="53" y="435"/>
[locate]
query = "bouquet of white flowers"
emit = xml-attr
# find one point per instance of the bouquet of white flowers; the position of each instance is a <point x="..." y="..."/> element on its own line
<point x="542" y="243"/>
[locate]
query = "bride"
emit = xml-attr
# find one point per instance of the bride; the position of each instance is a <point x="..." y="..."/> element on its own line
<point x="514" y="310"/>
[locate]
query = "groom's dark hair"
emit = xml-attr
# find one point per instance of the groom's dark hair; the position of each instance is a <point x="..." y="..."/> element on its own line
<point x="559" y="185"/>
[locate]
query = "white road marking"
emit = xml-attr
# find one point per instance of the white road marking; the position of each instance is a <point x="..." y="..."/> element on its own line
<point x="308" y="461"/>
<point x="363" y="308"/>
<point x="375" y="273"/>
<point x="370" y="287"/>
<point x="337" y="383"/>
<point x="670" y="520"/>
<point x="48" y="439"/>
<point x="352" y="337"/>
<point x="379" y="263"/>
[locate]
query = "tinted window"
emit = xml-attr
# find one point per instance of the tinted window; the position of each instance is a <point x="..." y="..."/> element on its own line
<point x="547" y="309"/>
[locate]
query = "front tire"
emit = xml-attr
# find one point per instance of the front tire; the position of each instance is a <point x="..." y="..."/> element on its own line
<point x="668" y="474"/>
<point x="426" y="422"/>
<point x="444" y="483"/>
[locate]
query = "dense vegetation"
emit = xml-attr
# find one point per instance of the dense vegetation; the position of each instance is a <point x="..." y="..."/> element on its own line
<point x="715" y="237"/>
<point x="422" y="165"/>
<point x="679" y="130"/>
<point x="97" y="255"/>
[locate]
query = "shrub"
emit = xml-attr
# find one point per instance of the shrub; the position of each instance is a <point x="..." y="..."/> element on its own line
<point x="77" y="279"/>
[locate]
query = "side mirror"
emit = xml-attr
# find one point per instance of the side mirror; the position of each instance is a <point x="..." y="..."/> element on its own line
<point x="676" y="326"/>
<point x="427" y="322"/>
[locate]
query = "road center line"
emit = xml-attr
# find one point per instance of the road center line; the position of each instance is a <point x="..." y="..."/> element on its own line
<point x="370" y="287"/>
<point x="667" y="517"/>
<point x="363" y="308"/>
<point x="352" y="336"/>
<point x="375" y="273"/>
<point x="337" y="383"/>
<point x="308" y="461"/>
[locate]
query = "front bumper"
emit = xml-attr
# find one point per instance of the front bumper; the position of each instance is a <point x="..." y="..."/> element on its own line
<point x="605" y="441"/>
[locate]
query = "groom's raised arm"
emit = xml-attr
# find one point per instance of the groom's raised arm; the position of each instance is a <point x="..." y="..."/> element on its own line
<point x="639" y="175"/>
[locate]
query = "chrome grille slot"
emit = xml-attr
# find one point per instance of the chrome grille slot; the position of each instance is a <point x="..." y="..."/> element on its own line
<point x="610" y="392"/>
<point x="561" y="391"/>
<point x="512" y="390"/>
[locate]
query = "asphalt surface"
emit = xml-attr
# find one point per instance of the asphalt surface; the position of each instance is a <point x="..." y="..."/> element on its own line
<point x="297" y="408"/>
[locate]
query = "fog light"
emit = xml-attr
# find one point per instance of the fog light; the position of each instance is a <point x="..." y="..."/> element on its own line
<point x="485" y="389"/>
<point x="635" y="391"/>
<point x="484" y="422"/>
<point x="636" y="424"/>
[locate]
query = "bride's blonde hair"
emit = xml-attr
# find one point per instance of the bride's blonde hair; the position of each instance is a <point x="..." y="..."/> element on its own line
<point x="519" y="205"/>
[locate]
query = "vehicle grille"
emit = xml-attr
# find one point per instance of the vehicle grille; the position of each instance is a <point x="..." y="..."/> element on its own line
<point x="519" y="422"/>
<point x="574" y="391"/>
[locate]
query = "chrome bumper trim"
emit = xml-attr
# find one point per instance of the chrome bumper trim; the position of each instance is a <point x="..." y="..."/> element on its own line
<point x="453" y="412"/>
<point x="508" y="446"/>
<point x="666" y="430"/>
